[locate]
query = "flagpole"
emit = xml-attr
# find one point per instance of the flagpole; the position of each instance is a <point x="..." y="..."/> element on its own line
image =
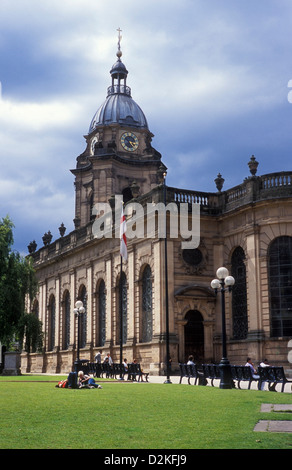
<point x="167" y="381"/>
<point x="123" y="253"/>
<point x="121" y="320"/>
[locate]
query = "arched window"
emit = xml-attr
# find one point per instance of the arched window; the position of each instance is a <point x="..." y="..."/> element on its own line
<point x="101" y="305"/>
<point x="51" y="323"/>
<point x="122" y="305"/>
<point x="66" y="320"/>
<point x="127" y="194"/>
<point x="146" y="335"/>
<point x="280" y="286"/>
<point x="239" y="294"/>
<point x="91" y="204"/>
<point x="83" y="318"/>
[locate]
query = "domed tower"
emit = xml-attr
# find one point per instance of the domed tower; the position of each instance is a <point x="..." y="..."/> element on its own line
<point x="119" y="157"/>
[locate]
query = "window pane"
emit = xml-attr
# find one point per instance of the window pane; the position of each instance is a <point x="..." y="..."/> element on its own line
<point x="146" y="305"/>
<point x="66" y="329"/>
<point x="280" y="286"/>
<point x="83" y="298"/>
<point x="101" y="309"/>
<point x="239" y="295"/>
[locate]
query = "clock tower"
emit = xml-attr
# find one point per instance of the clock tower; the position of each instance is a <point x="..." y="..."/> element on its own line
<point x="119" y="157"/>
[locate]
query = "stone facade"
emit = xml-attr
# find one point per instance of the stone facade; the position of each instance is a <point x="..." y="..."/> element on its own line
<point x="237" y="229"/>
<point x="249" y="216"/>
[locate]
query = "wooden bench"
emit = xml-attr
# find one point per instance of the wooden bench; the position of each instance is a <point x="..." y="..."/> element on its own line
<point x="190" y="371"/>
<point x="273" y="375"/>
<point x="238" y="374"/>
<point x="211" y="372"/>
<point x="108" y="370"/>
<point x="134" y="371"/>
<point x="243" y="373"/>
<point x="99" y="370"/>
<point x="102" y="369"/>
<point x="116" y="370"/>
<point x="184" y="372"/>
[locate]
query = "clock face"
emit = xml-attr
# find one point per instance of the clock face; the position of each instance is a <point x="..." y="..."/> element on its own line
<point x="129" y="141"/>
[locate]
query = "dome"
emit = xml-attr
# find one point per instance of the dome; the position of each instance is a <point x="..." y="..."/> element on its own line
<point x="119" y="107"/>
<point x="118" y="68"/>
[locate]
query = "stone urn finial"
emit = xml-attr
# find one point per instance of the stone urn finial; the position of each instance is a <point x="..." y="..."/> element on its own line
<point x="219" y="181"/>
<point x="32" y="247"/>
<point x="62" y="229"/>
<point x="47" y="238"/>
<point x="253" y="165"/>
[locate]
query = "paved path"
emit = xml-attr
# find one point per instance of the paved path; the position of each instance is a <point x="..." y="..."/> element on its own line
<point x="274" y="425"/>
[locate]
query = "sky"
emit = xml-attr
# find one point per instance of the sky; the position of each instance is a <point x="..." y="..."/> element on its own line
<point x="212" y="77"/>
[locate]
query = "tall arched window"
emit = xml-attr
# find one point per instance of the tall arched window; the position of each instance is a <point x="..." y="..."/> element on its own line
<point x="127" y="194"/>
<point x="146" y="335"/>
<point x="123" y="280"/>
<point x="66" y="320"/>
<point x="101" y="304"/>
<point x="83" y="318"/>
<point x="239" y="294"/>
<point x="51" y="323"/>
<point x="280" y="286"/>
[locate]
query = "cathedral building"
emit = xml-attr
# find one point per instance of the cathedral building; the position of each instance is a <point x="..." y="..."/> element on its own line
<point x="247" y="229"/>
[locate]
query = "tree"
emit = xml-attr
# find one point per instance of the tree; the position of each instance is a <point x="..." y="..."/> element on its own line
<point x="30" y="333"/>
<point x="17" y="280"/>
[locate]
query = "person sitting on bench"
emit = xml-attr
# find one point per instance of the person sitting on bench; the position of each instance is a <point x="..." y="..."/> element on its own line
<point x="254" y="372"/>
<point x="272" y="387"/>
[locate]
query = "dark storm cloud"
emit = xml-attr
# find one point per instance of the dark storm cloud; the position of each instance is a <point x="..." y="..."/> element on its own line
<point x="211" y="77"/>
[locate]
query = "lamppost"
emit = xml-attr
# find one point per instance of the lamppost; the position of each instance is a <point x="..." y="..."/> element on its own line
<point x="167" y="381"/>
<point x="224" y="282"/>
<point x="79" y="311"/>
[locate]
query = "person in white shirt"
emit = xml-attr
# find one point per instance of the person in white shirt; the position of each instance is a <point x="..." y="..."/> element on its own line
<point x="272" y="387"/>
<point x="98" y="357"/>
<point x="108" y="359"/>
<point x="264" y="363"/>
<point x="254" y="372"/>
<point x="190" y="360"/>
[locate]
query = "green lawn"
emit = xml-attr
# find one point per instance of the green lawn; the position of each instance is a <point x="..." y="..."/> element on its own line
<point x="37" y="415"/>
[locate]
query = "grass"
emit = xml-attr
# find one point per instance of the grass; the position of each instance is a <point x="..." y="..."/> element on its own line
<point x="37" y="415"/>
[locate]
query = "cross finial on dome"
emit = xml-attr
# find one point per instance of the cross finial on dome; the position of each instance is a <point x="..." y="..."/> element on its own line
<point x="119" y="53"/>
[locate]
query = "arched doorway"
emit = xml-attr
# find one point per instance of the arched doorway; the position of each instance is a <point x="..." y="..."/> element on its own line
<point x="194" y="335"/>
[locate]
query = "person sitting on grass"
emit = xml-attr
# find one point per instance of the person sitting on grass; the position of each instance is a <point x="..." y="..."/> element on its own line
<point x="85" y="381"/>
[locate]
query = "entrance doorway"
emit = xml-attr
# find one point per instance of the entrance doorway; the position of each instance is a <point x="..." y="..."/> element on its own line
<point x="194" y="336"/>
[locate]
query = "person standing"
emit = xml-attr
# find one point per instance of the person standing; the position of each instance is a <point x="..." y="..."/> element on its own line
<point x="98" y="357"/>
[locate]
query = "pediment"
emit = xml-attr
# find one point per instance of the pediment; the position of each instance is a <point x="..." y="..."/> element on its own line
<point x="194" y="291"/>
